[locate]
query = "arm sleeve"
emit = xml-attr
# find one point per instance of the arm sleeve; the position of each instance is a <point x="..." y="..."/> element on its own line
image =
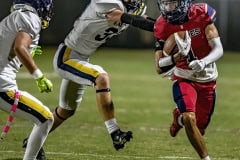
<point x="216" y="53"/>
<point x="166" y="63"/>
<point x="138" y="21"/>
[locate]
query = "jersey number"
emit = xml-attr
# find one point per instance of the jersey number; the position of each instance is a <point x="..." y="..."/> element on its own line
<point x="108" y="33"/>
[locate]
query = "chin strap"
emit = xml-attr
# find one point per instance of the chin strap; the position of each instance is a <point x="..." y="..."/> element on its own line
<point x="11" y="115"/>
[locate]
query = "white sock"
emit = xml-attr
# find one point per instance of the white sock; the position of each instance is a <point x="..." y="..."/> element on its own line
<point x="36" y="139"/>
<point x="206" y="158"/>
<point x="111" y="125"/>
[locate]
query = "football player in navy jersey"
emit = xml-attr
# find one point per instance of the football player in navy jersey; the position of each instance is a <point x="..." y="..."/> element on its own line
<point x="19" y="36"/>
<point x="193" y="69"/>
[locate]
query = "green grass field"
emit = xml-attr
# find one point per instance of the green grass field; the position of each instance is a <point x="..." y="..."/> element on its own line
<point x="143" y="104"/>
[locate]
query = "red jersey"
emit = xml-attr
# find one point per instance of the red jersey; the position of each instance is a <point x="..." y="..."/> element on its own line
<point x="199" y="16"/>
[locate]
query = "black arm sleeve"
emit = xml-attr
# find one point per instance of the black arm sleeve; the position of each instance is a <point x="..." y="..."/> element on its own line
<point x="138" y="21"/>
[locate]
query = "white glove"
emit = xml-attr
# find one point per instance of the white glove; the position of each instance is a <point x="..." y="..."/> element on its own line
<point x="184" y="45"/>
<point x="197" y="65"/>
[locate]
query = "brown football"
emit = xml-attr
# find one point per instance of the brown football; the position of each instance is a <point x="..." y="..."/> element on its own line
<point x="170" y="47"/>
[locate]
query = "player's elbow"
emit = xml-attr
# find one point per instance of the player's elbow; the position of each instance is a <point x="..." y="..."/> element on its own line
<point x="221" y="51"/>
<point x="158" y="70"/>
<point x="217" y="45"/>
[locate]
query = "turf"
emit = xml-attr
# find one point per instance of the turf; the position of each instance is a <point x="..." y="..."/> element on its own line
<point x="143" y="104"/>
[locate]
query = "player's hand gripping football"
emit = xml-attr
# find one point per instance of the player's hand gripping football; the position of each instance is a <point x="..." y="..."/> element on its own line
<point x="141" y="10"/>
<point x="184" y="45"/>
<point x="197" y="65"/>
<point x="37" y="51"/>
<point x="44" y="84"/>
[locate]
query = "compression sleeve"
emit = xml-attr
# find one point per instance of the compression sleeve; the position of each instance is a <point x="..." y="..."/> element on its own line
<point x="166" y="63"/>
<point x="138" y="21"/>
<point x="216" y="53"/>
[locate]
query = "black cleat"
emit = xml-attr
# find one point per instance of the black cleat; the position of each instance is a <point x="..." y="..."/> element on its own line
<point x="119" y="138"/>
<point x="41" y="153"/>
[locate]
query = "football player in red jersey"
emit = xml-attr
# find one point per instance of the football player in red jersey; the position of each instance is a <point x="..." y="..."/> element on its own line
<point x="194" y="76"/>
<point x="195" y="72"/>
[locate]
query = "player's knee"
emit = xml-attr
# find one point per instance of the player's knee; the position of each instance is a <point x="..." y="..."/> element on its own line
<point x="63" y="114"/>
<point x="158" y="70"/>
<point x="202" y="125"/>
<point x="51" y="119"/>
<point x="189" y="119"/>
<point x="50" y="123"/>
<point x="102" y="81"/>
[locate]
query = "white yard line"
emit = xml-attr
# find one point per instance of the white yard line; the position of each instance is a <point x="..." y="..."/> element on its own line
<point x="105" y="156"/>
<point x="121" y="156"/>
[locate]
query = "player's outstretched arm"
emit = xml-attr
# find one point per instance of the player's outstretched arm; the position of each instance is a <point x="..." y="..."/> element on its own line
<point x="142" y="22"/>
<point x="21" y="49"/>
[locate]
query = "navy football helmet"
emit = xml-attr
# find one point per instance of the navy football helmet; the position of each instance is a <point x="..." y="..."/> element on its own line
<point x="132" y="5"/>
<point x="43" y="8"/>
<point x="174" y="11"/>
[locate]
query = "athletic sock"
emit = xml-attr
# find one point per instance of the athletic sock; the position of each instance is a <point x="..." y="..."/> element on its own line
<point x="206" y="158"/>
<point x="111" y="125"/>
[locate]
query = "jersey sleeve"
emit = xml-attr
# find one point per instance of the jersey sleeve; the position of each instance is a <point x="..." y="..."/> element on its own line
<point x="204" y="8"/>
<point x="29" y="23"/>
<point x="161" y="31"/>
<point x="104" y="6"/>
<point x="211" y="13"/>
<point x="157" y="28"/>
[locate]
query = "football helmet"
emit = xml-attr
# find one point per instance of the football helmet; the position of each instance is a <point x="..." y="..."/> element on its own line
<point x="174" y="11"/>
<point x="132" y="5"/>
<point x="43" y="8"/>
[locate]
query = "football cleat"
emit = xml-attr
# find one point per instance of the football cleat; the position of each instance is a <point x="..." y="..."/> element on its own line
<point x="119" y="138"/>
<point x="175" y="127"/>
<point x="41" y="153"/>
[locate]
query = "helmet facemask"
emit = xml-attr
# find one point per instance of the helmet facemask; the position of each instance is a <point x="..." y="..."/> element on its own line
<point x="174" y="11"/>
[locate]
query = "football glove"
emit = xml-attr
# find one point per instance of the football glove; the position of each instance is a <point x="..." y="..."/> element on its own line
<point x="197" y="65"/>
<point x="141" y="10"/>
<point x="184" y="45"/>
<point x="44" y="84"/>
<point x="36" y="51"/>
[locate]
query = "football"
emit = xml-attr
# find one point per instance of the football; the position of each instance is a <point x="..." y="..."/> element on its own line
<point x="170" y="47"/>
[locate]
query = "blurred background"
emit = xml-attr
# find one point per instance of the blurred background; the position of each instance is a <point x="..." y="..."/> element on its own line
<point x="66" y="12"/>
